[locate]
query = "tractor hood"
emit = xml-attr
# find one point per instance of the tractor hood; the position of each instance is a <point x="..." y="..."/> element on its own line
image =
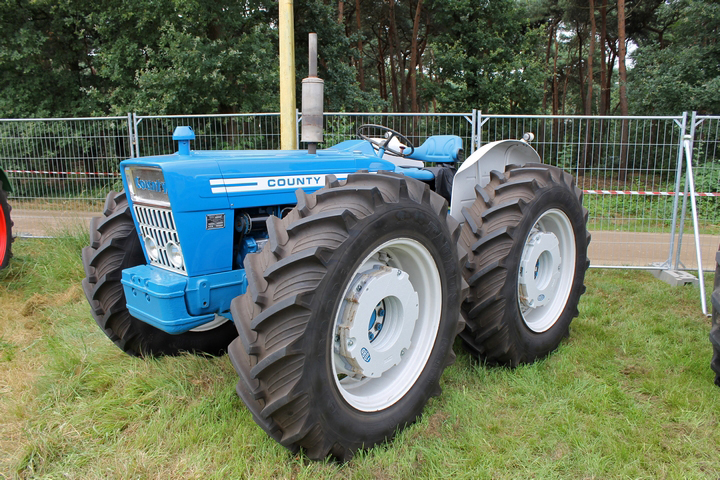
<point x="208" y="180"/>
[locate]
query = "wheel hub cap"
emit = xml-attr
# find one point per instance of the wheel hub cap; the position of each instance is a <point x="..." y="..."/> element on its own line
<point x="539" y="269"/>
<point x="377" y="321"/>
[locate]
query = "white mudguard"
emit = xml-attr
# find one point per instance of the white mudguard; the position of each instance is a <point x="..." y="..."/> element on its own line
<point x="477" y="167"/>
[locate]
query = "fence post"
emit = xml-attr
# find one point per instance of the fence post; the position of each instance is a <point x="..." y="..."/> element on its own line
<point x="473" y="129"/>
<point x="678" y="174"/>
<point x="688" y="143"/>
<point x="135" y="123"/>
<point x="131" y="135"/>
<point x="479" y="125"/>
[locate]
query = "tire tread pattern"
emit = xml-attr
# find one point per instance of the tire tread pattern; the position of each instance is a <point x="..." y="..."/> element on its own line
<point x="115" y="246"/>
<point x="273" y="316"/>
<point x="488" y="236"/>
<point x="715" y="328"/>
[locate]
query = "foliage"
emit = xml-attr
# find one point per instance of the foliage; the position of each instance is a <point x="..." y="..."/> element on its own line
<point x="489" y="58"/>
<point x="682" y="72"/>
<point x="80" y="58"/>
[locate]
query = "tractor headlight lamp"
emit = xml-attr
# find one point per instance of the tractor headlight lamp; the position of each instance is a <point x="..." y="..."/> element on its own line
<point x="174" y="254"/>
<point x="151" y="248"/>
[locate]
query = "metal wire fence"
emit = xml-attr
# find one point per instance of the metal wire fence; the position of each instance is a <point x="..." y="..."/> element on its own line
<point x="416" y="127"/>
<point x="61" y="168"/>
<point x="255" y="131"/>
<point x="630" y="168"/>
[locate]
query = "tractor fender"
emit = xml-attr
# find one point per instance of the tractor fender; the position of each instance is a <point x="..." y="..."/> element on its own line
<point x="476" y="170"/>
<point x="5" y="181"/>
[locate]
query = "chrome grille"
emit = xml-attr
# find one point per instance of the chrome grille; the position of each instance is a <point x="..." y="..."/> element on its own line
<point x="159" y="224"/>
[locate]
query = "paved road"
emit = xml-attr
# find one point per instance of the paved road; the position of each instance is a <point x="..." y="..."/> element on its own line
<point x="606" y="248"/>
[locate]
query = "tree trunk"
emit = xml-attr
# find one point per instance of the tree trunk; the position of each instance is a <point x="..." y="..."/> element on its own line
<point x="556" y="95"/>
<point x="414" y="58"/>
<point x="551" y="37"/>
<point x="623" y="92"/>
<point x="581" y="77"/>
<point x="382" y="69"/>
<point x="341" y="12"/>
<point x="361" y="72"/>
<point x="591" y="53"/>
<point x="609" y="80"/>
<point x="603" y="65"/>
<point x="588" y="102"/>
<point x="394" y="61"/>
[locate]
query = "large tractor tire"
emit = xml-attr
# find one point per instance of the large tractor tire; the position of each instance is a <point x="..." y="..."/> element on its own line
<point x="527" y="241"/>
<point x="115" y="246"/>
<point x="350" y="315"/>
<point x="715" y="329"/>
<point x="6" y="225"/>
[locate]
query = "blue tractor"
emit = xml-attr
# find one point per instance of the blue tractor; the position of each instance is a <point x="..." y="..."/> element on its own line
<point x="337" y="279"/>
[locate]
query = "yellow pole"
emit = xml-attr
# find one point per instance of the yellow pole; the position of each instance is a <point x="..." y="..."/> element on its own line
<point x="288" y="126"/>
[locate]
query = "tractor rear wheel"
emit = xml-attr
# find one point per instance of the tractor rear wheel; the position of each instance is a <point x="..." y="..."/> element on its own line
<point x="115" y="246"/>
<point x="715" y="329"/>
<point x="6" y="225"/>
<point x="350" y="314"/>
<point x="527" y="244"/>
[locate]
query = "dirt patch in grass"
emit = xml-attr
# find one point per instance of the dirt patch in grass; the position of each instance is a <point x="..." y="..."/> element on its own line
<point x="23" y="325"/>
<point x="19" y="368"/>
<point x="435" y="424"/>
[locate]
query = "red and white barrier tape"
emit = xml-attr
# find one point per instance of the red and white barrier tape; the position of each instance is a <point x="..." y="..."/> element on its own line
<point x="99" y="174"/>
<point x="641" y="192"/>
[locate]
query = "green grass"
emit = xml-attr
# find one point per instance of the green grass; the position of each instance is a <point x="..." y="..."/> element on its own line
<point x="629" y="394"/>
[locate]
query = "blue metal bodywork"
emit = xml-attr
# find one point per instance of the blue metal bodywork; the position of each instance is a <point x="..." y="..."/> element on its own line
<point x="223" y="185"/>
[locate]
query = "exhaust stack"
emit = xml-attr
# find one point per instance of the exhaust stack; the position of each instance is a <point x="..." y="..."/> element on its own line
<point x="312" y="100"/>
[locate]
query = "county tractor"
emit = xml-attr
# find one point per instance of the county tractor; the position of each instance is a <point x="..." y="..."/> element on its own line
<point x="337" y="279"/>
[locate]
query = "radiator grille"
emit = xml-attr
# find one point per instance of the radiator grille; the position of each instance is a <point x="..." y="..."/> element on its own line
<point x="158" y="223"/>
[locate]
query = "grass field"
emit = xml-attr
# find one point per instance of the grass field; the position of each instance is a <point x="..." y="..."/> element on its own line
<point x="629" y="394"/>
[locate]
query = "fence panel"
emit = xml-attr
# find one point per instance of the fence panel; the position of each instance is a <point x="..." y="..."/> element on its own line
<point x="628" y="169"/>
<point x="61" y="169"/>
<point x="254" y="131"/>
<point x="705" y="131"/>
<point x="416" y="127"/>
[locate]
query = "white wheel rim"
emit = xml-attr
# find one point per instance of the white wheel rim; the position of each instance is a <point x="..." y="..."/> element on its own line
<point x="216" y="322"/>
<point x="547" y="270"/>
<point x="398" y="286"/>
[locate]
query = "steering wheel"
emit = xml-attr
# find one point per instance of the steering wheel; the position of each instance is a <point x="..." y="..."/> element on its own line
<point x="383" y="147"/>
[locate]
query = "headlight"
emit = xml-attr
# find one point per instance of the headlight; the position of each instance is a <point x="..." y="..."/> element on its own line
<point x="174" y="254"/>
<point x="151" y="248"/>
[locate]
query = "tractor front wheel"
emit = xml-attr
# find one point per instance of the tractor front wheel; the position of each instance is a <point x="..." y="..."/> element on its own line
<point x="115" y="246"/>
<point x="350" y="315"/>
<point x="527" y="245"/>
<point x="5" y="229"/>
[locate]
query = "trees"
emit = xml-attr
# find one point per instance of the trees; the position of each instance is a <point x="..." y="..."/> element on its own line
<point x="678" y="61"/>
<point x="502" y="56"/>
